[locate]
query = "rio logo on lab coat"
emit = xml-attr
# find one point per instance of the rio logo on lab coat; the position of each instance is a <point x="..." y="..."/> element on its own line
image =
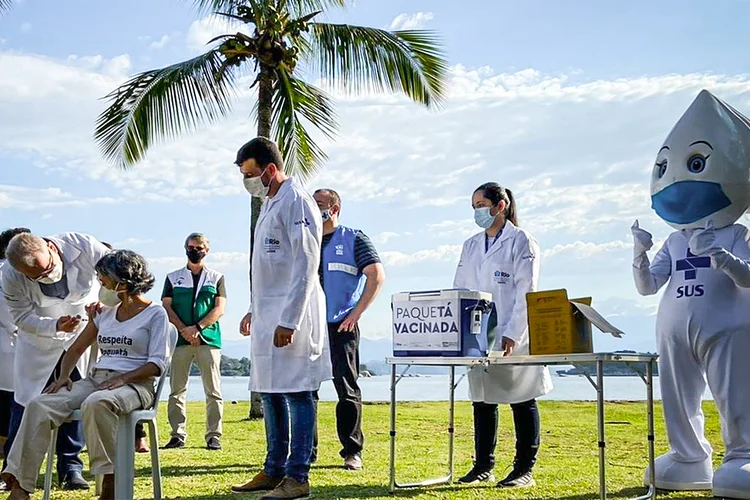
<point x="271" y="245"/>
<point x="427" y="318"/>
<point x="501" y="277"/>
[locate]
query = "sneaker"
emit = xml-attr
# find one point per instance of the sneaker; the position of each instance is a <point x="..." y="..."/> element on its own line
<point x="353" y="462"/>
<point x="73" y="480"/>
<point x="289" y="488"/>
<point x="477" y="475"/>
<point x="175" y="442"/>
<point x="213" y="443"/>
<point x="261" y="482"/>
<point x="3" y="486"/>
<point x="518" y="478"/>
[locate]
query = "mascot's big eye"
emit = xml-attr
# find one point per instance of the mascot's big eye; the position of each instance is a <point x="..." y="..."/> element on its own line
<point x="661" y="169"/>
<point x="696" y="164"/>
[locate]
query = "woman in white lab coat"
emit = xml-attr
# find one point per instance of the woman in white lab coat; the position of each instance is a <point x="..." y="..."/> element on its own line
<point x="504" y="260"/>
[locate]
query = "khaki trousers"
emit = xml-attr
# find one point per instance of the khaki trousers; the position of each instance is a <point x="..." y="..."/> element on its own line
<point x="101" y="415"/>
<point x="208" y="360"/>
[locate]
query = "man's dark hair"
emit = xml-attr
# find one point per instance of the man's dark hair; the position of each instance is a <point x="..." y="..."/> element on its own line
<point x="333" y="195"/>
<point x="262" y="151"/>
<point x="8" y="235"/>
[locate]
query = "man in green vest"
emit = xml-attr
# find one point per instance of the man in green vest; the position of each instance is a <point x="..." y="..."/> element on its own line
<point x="195" y="297"/>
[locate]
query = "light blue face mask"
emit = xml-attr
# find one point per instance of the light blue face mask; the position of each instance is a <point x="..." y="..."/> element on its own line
<point x="483" y="218"/>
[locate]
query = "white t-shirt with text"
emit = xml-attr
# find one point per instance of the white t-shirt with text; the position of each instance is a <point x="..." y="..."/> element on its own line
<point x="128" y="345"/>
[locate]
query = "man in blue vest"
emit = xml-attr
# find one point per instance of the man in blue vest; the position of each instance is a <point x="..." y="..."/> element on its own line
<point x="351" y="274"/>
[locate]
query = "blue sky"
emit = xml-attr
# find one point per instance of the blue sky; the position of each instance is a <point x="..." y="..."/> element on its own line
<point x="566" y="103"/>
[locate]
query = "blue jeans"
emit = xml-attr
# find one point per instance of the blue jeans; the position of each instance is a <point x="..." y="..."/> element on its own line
<point x="278" y="411"/>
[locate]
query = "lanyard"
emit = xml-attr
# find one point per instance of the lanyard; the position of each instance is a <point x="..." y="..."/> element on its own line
<point x="487" y="244"/>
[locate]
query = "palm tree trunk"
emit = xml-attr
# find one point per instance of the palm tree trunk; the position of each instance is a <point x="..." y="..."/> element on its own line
<point x="265" y="100"/>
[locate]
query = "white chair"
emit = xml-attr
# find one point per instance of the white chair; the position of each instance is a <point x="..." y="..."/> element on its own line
<point x="125" y="452"/>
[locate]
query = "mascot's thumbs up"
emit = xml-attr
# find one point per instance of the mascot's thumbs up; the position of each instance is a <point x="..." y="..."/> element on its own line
<point x="703" y="241"/>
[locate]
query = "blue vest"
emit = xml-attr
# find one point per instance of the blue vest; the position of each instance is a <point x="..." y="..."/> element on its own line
<point x="342" y="280"/>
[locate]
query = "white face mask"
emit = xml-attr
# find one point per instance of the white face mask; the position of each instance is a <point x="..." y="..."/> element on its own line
<point x="54" y="276"/>
<point x="326" y="215"/>
<point x="109" y="297"/>
<point x="255" y="186"/>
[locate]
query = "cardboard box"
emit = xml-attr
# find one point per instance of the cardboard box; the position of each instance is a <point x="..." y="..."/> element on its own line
<point x="558" y="325"/>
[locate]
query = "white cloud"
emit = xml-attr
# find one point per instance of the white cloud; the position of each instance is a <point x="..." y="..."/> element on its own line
<point x="131" y="242"/>
<point x="411" y="21"/>
<point x="442" y="253"/>
<point x="203" y="30"/>
<point x="23" y="198"/>
<point x="160" y="43"/>
<point x="384" y="237"/>
<point x="221" y="261"/>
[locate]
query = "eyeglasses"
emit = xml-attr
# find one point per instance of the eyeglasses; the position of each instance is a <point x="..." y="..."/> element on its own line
<point x="50" y="267"/>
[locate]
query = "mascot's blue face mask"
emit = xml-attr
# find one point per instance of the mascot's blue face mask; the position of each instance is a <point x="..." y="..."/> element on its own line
<point x="702" y="171"/>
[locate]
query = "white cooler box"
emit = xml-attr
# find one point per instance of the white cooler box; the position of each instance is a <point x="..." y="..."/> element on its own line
<point x="453" y="323"/>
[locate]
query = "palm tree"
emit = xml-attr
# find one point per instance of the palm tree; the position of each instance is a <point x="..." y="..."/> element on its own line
<point x="168" y="102"/>
<point x="5" y="5"/>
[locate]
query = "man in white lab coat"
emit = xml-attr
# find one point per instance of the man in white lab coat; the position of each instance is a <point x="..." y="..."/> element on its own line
<point x="287" y="319"/>
<point x="7" y="351"/>
<point x="47" y="284"/>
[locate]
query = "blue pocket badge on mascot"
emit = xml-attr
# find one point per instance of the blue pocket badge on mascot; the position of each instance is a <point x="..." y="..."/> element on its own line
<point x="702" y="171"/>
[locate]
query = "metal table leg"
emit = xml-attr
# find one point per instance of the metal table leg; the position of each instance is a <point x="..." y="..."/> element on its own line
<point x="392" y="484"/>
<point x="600" y="416"/>
<point x="651" y="437"/>
<point x="428" y="482"/>
<point x="648" y="379"/>
<point x="451" y="418"/>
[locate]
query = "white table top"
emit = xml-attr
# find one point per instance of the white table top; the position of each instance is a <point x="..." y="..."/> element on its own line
<point x="546" y="359"/>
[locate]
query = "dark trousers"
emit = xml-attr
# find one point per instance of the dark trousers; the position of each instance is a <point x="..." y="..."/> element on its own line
<point x="6" y="400"/>
<point x="344" y="348"/>
<point x="526" y="422"/>
<point x="69" y="435"/>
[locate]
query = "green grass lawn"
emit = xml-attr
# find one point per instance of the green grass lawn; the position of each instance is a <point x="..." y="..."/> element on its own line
<point x="566" y="469"/>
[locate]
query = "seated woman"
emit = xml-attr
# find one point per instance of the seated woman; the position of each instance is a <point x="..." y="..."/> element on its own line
<point x="133" y="339"/>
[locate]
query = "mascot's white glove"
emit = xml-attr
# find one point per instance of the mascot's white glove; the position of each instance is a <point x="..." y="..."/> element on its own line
<point x="703" y="241"/>
<point x="643" y="241"/>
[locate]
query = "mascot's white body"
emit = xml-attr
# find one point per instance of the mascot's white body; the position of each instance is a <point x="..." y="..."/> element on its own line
<point x="701" y="186"/>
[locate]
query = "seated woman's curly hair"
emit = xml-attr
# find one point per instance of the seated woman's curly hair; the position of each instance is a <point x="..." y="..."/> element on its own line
<point x="126" y="266"/>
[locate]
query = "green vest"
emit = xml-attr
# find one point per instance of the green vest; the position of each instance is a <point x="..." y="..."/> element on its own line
<point x="191" y="309"/>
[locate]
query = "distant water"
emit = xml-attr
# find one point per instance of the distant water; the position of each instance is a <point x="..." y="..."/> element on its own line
<point x="435" y="388"/>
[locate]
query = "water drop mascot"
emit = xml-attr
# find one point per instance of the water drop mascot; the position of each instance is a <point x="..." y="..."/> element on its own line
<point x="700" y="185"/>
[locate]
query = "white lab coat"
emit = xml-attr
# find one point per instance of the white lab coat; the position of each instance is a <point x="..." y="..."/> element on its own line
<point x="509" y="270"/>
<point x="7" y="340"/>
<point x="39" y="345"/>
<point x="286" y="291"/>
